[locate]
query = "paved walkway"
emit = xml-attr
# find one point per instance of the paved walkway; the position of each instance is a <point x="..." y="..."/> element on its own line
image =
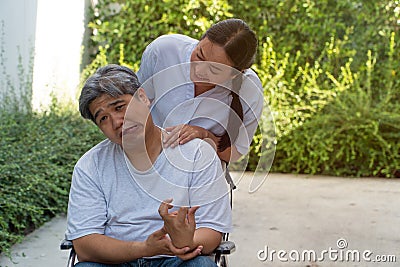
<point x="295" y="214"/>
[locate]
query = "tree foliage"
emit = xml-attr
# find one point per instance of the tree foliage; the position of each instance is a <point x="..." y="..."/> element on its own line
<point x="313" y="57"/>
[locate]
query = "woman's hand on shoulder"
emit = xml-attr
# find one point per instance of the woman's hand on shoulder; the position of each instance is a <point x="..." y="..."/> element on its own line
<point x="183" y="133"/>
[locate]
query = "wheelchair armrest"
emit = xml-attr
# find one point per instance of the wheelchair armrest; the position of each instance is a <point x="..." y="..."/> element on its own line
<point x="66" y="244"/>
<point x="225" y="248"/>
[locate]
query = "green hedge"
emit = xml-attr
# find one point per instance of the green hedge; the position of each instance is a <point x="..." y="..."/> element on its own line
<point x="344" y="124"/>
<point x="352" y="136"/>
<point x="313" y="56"/>
<point x="37" y="156"/>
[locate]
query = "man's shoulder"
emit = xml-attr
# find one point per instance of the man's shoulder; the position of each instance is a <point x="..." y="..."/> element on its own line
<point x="100" y="150"/>
<point x="197" y="150"/>
<point x="196" y="144"/>
<point x="104" y="145"/>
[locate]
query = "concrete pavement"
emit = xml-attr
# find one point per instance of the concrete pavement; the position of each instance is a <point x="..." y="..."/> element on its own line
<point x="288" y="218"/>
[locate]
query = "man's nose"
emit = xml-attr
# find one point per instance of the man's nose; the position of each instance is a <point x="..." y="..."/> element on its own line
<point x="117" y="121"/>
<point x="202" y="69"/>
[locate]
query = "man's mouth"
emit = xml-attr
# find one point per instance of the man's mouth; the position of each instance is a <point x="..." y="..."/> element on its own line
<point x="198" y="78"/>
<point x="129" y="129"/>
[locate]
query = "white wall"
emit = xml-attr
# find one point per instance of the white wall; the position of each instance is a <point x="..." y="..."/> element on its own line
<point x="55" y="28"/>
<point x="59" y="34"/>
<point x="18" y="38"/>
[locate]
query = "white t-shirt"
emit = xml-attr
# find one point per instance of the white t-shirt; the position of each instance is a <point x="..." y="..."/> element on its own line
<point x="164" y="74"/>
<point x="109" y="197"/>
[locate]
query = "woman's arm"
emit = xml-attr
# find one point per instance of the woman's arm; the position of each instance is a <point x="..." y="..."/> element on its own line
<point x="183" y="133"/>
<point x="230" y="154"/>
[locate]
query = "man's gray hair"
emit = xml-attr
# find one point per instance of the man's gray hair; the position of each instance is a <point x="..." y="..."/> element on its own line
<point x="113" y="80"/>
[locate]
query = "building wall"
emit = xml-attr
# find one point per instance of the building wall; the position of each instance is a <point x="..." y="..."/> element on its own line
<point x="59" y="37"/>
<point x="17" y="29"/>
<point x="53" y="32"/>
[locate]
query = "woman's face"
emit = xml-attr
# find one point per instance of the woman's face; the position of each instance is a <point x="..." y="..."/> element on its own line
<point x="210" y="64"/>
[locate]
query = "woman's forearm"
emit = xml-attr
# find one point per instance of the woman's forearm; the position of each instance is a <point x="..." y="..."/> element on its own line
<point x="230" y="154"/>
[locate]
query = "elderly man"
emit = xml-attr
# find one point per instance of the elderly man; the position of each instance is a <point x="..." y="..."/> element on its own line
<point x="133" y="202"/>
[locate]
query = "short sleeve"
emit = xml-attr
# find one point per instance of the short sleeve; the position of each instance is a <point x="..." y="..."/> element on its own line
<point x="147" y="69"/>
<point x="87" y="212"/>
<point x="208" y="186"/>
<point x="252" y="99"/>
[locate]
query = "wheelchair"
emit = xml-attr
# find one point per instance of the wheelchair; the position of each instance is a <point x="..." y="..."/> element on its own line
<point x="220" y="254"/>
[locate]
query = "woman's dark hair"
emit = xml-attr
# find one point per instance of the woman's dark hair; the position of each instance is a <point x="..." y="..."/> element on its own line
<point x="240" y="45"/>
<point x="237" y="39"/>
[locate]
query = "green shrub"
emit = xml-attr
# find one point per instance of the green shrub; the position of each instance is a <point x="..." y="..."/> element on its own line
<point x="131" y="25"/>
<point x="312" y="56"/>
<point x="37" y="156"/>
<point x="353" y="136"/>
<point x="345" y="126"/>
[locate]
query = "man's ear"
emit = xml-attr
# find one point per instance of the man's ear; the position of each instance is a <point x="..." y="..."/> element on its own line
<point x="141" y="94"/>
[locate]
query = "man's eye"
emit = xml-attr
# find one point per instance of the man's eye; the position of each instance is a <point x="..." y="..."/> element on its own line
<point x="102" y="119"/>
<point x="120" y="107"/>
<point x="199" y="56"/>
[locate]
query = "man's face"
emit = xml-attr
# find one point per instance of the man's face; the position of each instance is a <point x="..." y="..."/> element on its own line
<point x="108" y="113"/>
<point x="203" y="70"/>
<point x="137" y="121"/>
